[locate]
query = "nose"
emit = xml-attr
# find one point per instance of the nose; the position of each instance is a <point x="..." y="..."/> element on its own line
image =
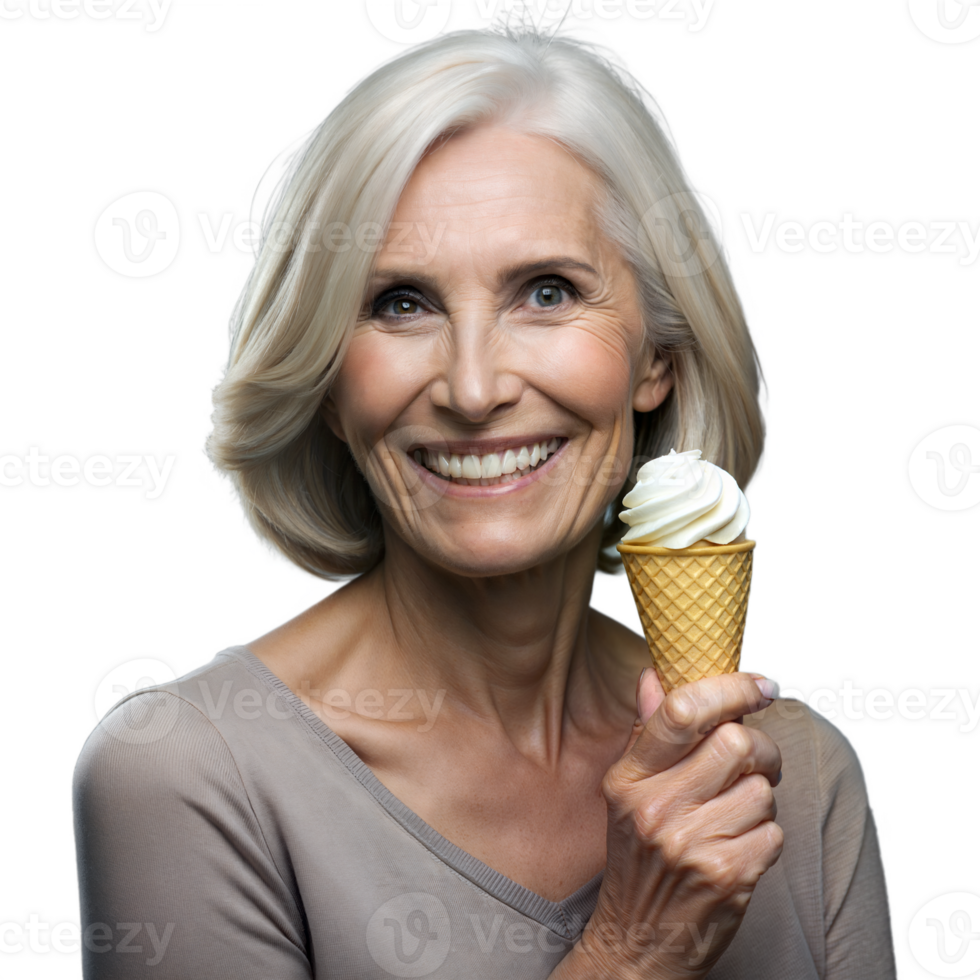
<point x="477" y="379"/>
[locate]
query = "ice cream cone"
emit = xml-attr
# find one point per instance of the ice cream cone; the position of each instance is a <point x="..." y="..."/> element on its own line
<point x="692" y="603"/>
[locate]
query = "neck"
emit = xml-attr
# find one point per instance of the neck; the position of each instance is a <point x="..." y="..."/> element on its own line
<point x="512" y="650"/>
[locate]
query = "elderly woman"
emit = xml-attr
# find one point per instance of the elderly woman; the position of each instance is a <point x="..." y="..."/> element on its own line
<point x="485" y="294"/>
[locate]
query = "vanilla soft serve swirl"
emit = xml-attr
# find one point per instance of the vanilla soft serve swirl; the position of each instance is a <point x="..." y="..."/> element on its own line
<point x="680" y="499"/>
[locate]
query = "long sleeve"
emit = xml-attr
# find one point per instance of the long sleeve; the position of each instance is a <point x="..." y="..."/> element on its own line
<point x="858" y="934"/>
<point x="175" y="875"/>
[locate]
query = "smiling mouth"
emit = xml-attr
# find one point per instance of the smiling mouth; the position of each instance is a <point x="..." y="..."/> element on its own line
<point x="490" y="469"/>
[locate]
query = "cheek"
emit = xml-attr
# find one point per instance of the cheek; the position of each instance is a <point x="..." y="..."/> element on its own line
<point x="589" y="374"/>
<point x="374" y="385"/>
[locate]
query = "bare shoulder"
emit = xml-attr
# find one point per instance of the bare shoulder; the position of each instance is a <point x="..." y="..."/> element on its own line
<point x="321" y="640"/>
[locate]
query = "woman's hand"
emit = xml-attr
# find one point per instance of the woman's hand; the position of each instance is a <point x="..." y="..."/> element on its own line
<point x="691" y="831"/>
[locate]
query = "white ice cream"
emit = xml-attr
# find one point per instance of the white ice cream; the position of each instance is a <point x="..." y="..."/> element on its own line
<point x="680" y="499"/>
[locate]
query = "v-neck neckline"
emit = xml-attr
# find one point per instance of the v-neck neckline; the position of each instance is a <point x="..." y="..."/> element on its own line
<point x="566" y="918"/>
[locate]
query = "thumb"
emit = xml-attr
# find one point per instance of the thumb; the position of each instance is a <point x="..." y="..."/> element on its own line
<point x="649" y="696"/>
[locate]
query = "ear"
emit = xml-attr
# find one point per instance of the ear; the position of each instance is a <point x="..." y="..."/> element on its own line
<point x="653" y="381"/>
<point x="329" y="414"/>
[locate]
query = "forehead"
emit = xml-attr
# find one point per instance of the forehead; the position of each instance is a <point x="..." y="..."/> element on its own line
<point x="495" y="189"/>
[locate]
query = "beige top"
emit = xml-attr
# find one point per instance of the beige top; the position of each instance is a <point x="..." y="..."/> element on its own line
<point x="225" y="831"/>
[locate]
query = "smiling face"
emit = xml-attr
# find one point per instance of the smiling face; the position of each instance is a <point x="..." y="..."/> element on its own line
<point x="488" y="390"/>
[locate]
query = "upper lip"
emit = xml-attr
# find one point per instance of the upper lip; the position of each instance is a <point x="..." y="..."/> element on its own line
<point x="481" y="447"/>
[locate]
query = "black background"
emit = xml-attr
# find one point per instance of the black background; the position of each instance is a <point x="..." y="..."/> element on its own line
<point x="806" y="110"/>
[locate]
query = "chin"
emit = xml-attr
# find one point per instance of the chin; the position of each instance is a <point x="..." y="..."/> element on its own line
<point x="488" y="561"/>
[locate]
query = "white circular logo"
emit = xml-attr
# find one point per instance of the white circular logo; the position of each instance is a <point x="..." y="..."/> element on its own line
<point x="947" y="21"/>
<point x="409" y="936"/>
<point x="687" y="229"/>
<point x="146" y="719"/>
<point x="138" y="235"/>
<point x="944" y="935"/>
<point x="408" y="21"/>
<point x="944" y="468"/>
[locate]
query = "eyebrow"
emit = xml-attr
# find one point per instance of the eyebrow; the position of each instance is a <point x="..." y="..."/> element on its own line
<point x="507" y="275"/>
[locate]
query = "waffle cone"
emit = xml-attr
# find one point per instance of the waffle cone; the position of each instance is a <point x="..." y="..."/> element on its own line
<point x="692" y="603"/>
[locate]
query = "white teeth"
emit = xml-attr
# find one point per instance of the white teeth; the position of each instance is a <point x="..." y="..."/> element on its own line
<point x="490" y="466"/>
<point x="486" y="470"/>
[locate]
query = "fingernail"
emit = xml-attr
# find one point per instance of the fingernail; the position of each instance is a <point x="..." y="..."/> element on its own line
<point x="779" y="777"/>
<point x="768" y="688"/>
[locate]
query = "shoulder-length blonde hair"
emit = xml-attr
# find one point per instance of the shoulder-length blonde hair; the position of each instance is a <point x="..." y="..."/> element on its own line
<point x="298" y="483"/>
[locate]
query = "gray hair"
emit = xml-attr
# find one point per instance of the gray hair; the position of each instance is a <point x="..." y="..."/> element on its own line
<point x="300" y="486"/>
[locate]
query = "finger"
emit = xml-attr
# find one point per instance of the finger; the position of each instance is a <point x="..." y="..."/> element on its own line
<point x="725" y="754"/>
<point x="748" y="802"/>
<point x="650" y="694"/>
<point x="649" y="697"/>
<point x="686" y="715"/>
<point x="743" y="860"/>
<point x="725" y="757"/>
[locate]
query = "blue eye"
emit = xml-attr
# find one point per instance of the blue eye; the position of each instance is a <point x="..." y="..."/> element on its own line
<point x="548" y="294"/>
